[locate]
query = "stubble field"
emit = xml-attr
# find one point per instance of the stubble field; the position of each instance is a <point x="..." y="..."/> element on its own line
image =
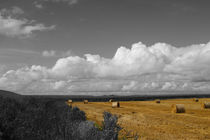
<point x="153" y="121"/>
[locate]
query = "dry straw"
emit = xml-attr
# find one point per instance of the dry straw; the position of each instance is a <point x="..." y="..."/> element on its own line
<point x="115" y="104"/>
<point x="85" y="101"/>
<point x="206" y="105"/>
<point x="178" y="108"/>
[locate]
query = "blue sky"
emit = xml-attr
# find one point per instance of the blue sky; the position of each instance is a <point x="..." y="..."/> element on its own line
<point x="44" y="32"/>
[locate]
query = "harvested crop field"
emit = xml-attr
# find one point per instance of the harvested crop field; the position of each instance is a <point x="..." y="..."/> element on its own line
<point x="155" y="121"/>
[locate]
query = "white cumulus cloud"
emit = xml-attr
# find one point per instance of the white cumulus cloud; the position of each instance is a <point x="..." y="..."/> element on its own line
<point x="160" y="67"/>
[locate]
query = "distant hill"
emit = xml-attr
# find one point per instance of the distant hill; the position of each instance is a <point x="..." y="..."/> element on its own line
<point x="9" y="94"/>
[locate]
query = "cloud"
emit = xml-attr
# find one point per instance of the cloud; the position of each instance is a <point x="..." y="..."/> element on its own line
<point x="53" y="53"/>
<point x="169" y="85"/>
<point x="14" y="27"/>
<point x="38" y="5"/>
<point x="160" y="67"/>
<point x="3" y="69"/>
<point x="14" y="11"/>
<point x="48" y="53"/>
<point x="70" y="2"/>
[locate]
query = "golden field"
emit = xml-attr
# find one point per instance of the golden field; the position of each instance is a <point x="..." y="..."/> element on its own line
<point x="153" y="121"/>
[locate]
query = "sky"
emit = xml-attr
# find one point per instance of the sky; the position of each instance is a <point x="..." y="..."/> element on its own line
<point x="104" y="46"/>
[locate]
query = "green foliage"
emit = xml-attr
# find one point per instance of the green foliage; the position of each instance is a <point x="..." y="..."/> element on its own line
<point x="98" y="126"/>
<point x="45" y="120"/>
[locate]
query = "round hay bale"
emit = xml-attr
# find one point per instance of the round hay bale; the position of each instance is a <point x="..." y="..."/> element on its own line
<point x="70" y="101"/>
<point x="115" y="104"/>
<point x="111" y="100"/>
<point x="178" y="108"/>
<point x="206" y="105"/>
<point x="85" y="101"/>
<point x="157" y="101"/>
<point x="196" y="99"/>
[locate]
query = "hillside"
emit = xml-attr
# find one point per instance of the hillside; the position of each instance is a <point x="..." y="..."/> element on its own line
<point x="9" y="94"/>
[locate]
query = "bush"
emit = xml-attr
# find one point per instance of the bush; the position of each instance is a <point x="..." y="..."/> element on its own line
<point x="110" y="126"/>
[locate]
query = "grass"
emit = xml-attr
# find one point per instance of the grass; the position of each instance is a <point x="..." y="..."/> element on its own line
<point x="152" y="121"/>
